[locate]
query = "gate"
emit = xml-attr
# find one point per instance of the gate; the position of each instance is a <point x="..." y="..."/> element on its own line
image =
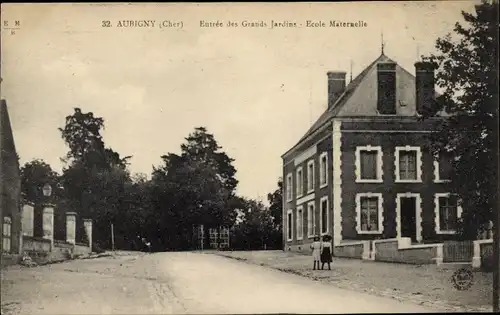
<point x="458" y="251"/>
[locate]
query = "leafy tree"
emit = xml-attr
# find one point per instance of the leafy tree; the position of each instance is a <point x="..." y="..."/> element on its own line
<point x="256" y="229"/>
<point x="194" y="188"/>
<point x="34" y="175"/>
<point x="202" y="146"/>
<point x="95" y="178"/>
<point x="82" y="133"/>
<point x="467" y="74"/>
<point x="276" y="205"/>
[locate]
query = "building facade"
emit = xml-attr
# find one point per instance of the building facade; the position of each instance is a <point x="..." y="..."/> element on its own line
<point x="10" y="187"/>
<point x="363" y="171"/>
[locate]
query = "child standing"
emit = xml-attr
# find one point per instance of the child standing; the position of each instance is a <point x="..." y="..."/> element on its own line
<point x="326" y="252"/>
<point x="316" y="251"/>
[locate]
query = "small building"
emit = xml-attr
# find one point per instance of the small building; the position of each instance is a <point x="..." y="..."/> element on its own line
<point x="362" y="172"/>
<point x="10" y="187"/>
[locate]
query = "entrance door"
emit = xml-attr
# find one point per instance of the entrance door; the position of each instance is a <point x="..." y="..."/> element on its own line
<point x="409" y="218"/>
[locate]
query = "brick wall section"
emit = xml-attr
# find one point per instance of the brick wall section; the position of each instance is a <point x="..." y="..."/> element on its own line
<point x="307" y="143"/>
<point x="324" y="146"/>
<point x="322" y="141"/>
<point x="389" y="189"/>
<point x="389" y="252"/>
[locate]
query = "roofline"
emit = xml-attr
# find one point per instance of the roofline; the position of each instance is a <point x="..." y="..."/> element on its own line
<point x="4" y="110"/>
<point x="314" y="133"/>
<point x="359" y="118"/>
<point x="339" y="99"/>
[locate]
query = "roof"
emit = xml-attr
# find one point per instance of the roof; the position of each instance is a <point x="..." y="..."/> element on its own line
<point x="360" y="97"/>
<point x="7" y="146"/>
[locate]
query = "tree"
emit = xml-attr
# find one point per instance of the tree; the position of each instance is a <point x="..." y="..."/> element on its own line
<point x="194" y="188"/>
<point x="95" y="177"/>
<point x="202" y="146"/>
<point x="276" y="205"/>
<point x="82" y="133"/>
<point x="34" y="175"/>
<point x="256" y="230"/>
<point x="467" y="74"/>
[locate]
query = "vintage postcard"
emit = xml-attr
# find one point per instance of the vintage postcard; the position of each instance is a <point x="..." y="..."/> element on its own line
<point x="226" y="158"/>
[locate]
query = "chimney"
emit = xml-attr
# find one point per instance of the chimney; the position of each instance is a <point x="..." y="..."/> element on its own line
<point x="424" y="86"/>
<point x="336" y="86"/>
<point x="386" y="93"/>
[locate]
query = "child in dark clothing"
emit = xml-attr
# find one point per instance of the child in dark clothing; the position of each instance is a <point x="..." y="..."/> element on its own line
<point x="326" y="252"/>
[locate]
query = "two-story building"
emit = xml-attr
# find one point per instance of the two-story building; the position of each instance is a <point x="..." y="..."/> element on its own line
<point x="362" y="171"/>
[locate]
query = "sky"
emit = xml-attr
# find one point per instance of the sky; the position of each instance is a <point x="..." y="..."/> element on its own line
<point x="257" y="90"/>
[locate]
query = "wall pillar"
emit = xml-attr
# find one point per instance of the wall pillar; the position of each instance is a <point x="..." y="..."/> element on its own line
<point x="48" y="224"/>
<point x="28" y="219"/>
<point x="87" y="223"/>
<point x="71" y="227"/>
<point x="476" y="259"/>
<point x="439" y="255"/>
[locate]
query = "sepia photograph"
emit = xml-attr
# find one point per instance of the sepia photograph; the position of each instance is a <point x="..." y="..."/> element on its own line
<point x="249" y="158"/>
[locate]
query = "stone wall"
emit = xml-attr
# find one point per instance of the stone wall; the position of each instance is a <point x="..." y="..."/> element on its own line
<point x="392" y="251"/>
<point x="359" y="250"/>
<point x="62" y="251"/>
<point x="81" y="249"/>
<point x="36" y="244"/>
<point x="40" y="250"/>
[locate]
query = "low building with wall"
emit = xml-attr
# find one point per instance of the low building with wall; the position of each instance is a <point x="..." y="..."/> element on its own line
<point x="10" y="187"/>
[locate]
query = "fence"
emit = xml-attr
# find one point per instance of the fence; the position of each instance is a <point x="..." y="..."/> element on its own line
<point x="458" y="251"/>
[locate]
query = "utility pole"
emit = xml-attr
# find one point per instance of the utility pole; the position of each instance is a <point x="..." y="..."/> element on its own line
<point x="202" y="236"/>
<point x="496" y="272"/>
<point x="496" y="234"/>
<point x="496" y="210"/>
<point x="112" y="237"/>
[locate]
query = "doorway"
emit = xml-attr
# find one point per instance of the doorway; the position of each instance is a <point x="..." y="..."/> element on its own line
<point x="408" y="217"/>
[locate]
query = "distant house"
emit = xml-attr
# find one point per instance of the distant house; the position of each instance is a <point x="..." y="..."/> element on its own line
<point x="361" y="172"/>
<point x="10" y="187"/>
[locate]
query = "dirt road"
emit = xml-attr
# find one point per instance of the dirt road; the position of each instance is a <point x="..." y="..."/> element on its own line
<point x="177" y="283"/>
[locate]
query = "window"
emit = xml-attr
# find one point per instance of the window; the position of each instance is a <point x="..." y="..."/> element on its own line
<point x="442" y="168"/>
<point x="369" y="213"/>
<point x="289" y="225"/>
<point x="369" y="164"/>
<point x="447" y="213"/>
<point x="324" y="215"/>
<point x="310" y="176"/>
<point x="408" y="164"/>
<point x="300" y="220"/>
<point x="6" y="237"/>
<point x="323" y="170"/>
<point x="310" y="220"/>
<point x="289" y="187"/>
<point x="300" y="181"/>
